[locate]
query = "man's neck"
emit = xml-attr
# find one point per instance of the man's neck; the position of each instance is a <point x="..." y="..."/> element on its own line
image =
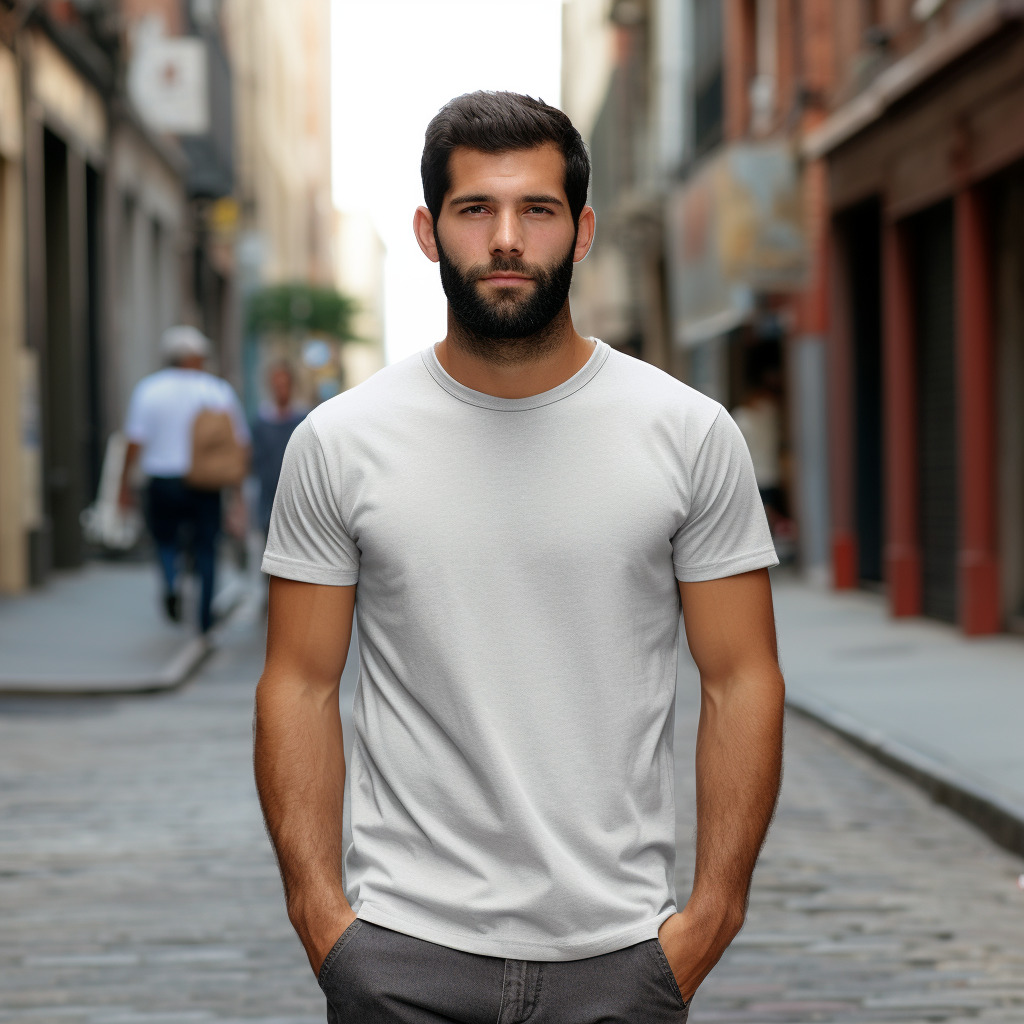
<point x="566" y="354"/>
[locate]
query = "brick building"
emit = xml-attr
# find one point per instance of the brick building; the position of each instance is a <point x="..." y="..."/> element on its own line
<point x="924" y="150"/>
<point x="102" y="242"/>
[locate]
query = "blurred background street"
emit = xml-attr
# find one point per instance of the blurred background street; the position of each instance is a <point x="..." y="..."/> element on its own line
<point x="811" y="210"/>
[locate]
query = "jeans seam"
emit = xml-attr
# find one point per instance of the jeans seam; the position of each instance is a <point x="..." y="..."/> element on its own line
<point x="501" y="1005"/>
<point x="535" y="1001"/>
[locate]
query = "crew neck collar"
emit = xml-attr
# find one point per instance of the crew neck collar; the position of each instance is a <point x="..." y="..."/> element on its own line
<point x="581" y="377"/>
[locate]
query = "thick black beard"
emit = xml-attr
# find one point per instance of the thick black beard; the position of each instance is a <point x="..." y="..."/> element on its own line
<point x="508" y="330"/>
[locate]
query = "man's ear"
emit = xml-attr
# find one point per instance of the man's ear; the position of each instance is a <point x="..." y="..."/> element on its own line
<point x="423" y="226"/>
<point x="584" y="234"/>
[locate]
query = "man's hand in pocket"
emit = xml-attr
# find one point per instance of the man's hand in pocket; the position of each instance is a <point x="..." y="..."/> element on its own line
<point x="694" y="942"/>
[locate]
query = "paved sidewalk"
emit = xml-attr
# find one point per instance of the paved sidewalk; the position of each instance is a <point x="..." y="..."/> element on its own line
<point x="945" y="710"/>
<point x="101" y="629"/>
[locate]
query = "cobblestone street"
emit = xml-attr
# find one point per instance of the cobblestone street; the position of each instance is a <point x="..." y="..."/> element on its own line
<point x="137" y="884"/>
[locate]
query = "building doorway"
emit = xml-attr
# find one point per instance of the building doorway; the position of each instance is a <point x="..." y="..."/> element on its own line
<point x="70" y="373"/>
<point x="861" y="229"/>
<point x="1008" y="238"/>
<point x="931" y="235"/>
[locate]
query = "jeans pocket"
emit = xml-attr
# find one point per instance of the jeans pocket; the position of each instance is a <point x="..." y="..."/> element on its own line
<point x="344" y="939"/>
<point x="666" y="971"/>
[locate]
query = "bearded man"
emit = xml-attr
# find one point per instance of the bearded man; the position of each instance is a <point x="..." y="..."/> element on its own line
<point x="518" y="515"/>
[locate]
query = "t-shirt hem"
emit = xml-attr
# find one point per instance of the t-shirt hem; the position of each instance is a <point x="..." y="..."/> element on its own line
<point x="765" y="558"/>
<point x="308" y="572"/>
<point x="571" y="949"/>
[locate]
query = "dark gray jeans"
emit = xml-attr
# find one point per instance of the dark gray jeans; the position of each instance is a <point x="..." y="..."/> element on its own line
<point x="377" y="976"/>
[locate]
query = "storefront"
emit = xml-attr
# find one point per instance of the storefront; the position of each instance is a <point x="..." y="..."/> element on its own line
<point x="925" y="321"/>
<point x="65" y="146"/>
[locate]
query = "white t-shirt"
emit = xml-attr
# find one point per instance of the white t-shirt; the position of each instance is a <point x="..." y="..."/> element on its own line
<point x="161" y="412"/>
<point x="511" y="771"/>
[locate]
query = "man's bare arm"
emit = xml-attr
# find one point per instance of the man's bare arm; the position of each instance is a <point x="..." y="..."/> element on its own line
<point x="730" y="627"/>
<point x="299" y="755"/>
<point x="125" y="498"/>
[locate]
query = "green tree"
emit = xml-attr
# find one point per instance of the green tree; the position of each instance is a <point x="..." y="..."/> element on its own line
<point x="291" y="308"/>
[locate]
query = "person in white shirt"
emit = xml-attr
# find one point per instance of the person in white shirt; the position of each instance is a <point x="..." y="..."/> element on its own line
<point x="518" y="514"/>
<point x="161" y="414"/>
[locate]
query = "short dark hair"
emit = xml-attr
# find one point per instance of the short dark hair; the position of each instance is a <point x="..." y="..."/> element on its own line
<point x="499" y="122"/>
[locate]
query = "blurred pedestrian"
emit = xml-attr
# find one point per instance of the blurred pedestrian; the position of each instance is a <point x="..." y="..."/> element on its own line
<point x="759" y="418"/>
<point x="270" y="433"/>
<point x="526" y="511"/>
<point x="187" y="430"/>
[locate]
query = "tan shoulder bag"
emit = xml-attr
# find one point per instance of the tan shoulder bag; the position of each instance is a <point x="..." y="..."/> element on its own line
<point x="218" y="460"/>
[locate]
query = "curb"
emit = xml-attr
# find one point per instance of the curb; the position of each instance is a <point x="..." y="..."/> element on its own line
<point x="160" y="679"/>
<point x="1001" y="820"/>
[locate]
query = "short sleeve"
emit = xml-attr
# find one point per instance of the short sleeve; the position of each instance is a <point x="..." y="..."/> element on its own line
<point x="308" y="540"/>
<point x="725" y="531"/>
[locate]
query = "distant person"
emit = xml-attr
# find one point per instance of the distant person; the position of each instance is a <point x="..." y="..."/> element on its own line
<point x="518" y="513"/>
<point x="270" y="433"/>
<point x="759" y="417"/>
<point x="183" y="495"/>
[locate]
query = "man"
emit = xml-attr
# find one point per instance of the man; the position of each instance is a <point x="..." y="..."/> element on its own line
<point x="270" y="433"/>
<point x="526" y="512"/>
<point x="161" y="414"/>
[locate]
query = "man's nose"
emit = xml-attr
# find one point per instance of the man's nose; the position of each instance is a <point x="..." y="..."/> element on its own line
<point x="507" y="238"/>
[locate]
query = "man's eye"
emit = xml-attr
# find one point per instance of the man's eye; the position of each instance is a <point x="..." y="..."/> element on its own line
<point x="539" y="209"/>
<point x="473" y="209"/>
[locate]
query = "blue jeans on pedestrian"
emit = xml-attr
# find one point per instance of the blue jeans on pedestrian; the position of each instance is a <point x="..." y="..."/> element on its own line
<point x="374" y="975"/>
<point x="183" y="518"/>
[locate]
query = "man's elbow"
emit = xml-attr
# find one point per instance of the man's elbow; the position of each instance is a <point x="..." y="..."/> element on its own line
<point x="761" y="683"/>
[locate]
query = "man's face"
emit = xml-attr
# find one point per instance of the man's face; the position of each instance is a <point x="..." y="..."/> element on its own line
<point x="281" y="386"/>
<point x="506" y="241"/>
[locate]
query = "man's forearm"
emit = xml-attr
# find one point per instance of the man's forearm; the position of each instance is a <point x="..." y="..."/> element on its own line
<point x="300" y="776"/>
<point x="730" y="630"/>
<point x="131" y="455"/>
<point x="739" y="768"/>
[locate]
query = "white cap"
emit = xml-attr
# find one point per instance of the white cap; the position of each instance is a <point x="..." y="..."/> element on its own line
<point x="181" y="342"/>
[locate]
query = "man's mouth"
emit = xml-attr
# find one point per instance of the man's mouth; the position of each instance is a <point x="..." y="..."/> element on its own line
<point x="506" y="280"/>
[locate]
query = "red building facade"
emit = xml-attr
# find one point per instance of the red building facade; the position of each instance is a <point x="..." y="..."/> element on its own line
<point x="925" y="167"/>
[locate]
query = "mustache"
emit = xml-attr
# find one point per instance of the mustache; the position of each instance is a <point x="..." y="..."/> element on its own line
<point x="507" y="265"/>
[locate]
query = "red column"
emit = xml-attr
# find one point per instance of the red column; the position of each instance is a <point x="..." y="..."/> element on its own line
<point x="978" y="556"/>
<point x="902" y="547"/>
<point x="842" y="452"/>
